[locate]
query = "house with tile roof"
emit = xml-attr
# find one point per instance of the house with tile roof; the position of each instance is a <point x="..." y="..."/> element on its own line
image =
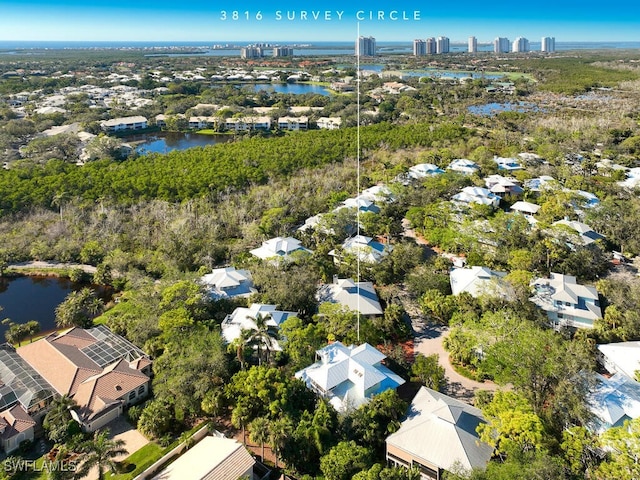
<point x="356" y="296"/>
<point x="101" y="371"/>
<point x="566" y="302"/>
<point x="349" y="376"/>
<point x="228" y="282"/>
<point x="16" y="426"/>
<point x="438" y="432"/>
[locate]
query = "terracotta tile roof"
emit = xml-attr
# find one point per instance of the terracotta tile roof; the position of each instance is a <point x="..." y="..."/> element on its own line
<point x="56" y="364"/>
<point x="14" y="421"/>
<point x="60" y="360"/>
<point x="76" y="337"/>
<point x="103" y="390"/>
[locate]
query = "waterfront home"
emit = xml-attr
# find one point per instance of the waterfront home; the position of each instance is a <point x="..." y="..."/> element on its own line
<point x="124" y="124"/>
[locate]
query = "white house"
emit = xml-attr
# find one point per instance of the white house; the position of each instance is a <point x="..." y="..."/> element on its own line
<point x="566" y="302"/>
<point x="463" y="165"/>
<point x="244" y="318"/>
<point x="621" y="357"/>
<point x="279" y="248"/>
<point x="508" y="164"/>
<point x="423" y="170"/>
<point x="366" y="249"/>
<point x="527" y="209"/>
<point x="477" y="281"/>
<point x="377" y="194"/>
<point x="293" y="124"/>
<point x="586" y="234"/>
<point x="360" y="203"/>
<point x="503" y="185"/>
<point x="357" y="296"/>
<point x="244" y="124"/>
<point x="438" y="433"/>
<point x="613" y="401"/>
<point x="544" y="182"/>
<point x="123" y="124"/>
<point x="329" y="123"/>
<point x="479" y="195"/>
<point x="349" y="376"/>
<point x="228" y="282"/>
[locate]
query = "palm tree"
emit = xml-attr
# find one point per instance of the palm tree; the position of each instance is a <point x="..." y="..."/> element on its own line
<point x="56" y="421"/>
<point x="239" y="417"/>
<point x="264" y="335"/>
<point x="101" y="452"/>
<point x="259" y="432"/>
<point x="279" y="432"/>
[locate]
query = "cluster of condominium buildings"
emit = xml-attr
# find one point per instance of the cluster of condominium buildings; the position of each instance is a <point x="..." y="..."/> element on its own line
<point x="258" y="51"/>
<point x="434" y="45"/>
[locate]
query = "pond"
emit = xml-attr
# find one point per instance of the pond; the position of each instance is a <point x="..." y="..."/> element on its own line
<point x="166" y="142"/>
<point x="490" y="109"/>
<point x="33" y="298"/>
<point x="294" y="88"/>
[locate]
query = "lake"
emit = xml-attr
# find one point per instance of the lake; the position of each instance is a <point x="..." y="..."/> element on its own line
<point x="490" y="109"/>
<point x="294" y="88"/>
<point x="166" y="142"/>
<point x="33" y="298"/>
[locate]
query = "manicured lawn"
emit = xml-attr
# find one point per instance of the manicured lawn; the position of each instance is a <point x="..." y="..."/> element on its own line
<point x="141" y="459"/>
<point x="145" y="457"/>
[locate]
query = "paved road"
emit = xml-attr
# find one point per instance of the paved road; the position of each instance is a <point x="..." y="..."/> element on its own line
<point x="428" y="340"/>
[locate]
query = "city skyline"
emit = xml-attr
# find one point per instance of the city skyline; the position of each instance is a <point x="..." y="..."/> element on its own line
<point x="288" y="21"/>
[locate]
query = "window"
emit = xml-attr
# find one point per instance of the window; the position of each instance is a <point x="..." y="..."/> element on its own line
<point x="141" y="390"/>
<point x="132" y="395"/>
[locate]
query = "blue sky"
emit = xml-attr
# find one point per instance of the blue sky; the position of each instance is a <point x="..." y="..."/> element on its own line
<point x="200" y="20"/>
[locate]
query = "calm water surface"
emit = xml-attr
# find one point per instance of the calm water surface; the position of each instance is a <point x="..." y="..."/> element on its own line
<point x="166" y="142"/>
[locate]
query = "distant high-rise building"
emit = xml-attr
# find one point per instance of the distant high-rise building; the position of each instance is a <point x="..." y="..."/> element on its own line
<point x="419" y="47"/>
<point x="520" y="45"/>
<point x="473" y="45"/>
<point x="251" y="52"/>
<point x="548" y="44"/>
<point x="366" y="47"/>
<point x="501" y="45"/>
<point x="442" y="45"/>
<point x="283" y="52"/>
<point x="431" y="45"/>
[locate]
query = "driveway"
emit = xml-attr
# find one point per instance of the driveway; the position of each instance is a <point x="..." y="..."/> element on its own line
<point x="120" y="429"/>
<point x="429" y="340"/>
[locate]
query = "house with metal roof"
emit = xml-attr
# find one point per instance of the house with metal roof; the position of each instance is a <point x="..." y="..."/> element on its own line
<point x="477" y="281"/>
<point x="613" y="401"/>
<point x="349" y="376"/>
<point x="212" y="458"/>
<point x="244" y="318"/>
<point x="228" y="282"/>
<point x="366" y="249"/>
<point x="279" y="248"/>
<point x="102" y="371"/>
<point x="356" y="296"/>
<point x="620" y="357"/>
<point x="462" y="165"/>
<point x="438" y="432"/>
<point x="566" y="302"/>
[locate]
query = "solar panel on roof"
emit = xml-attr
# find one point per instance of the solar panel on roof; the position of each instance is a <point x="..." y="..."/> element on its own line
<point x="110" y="347"/>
